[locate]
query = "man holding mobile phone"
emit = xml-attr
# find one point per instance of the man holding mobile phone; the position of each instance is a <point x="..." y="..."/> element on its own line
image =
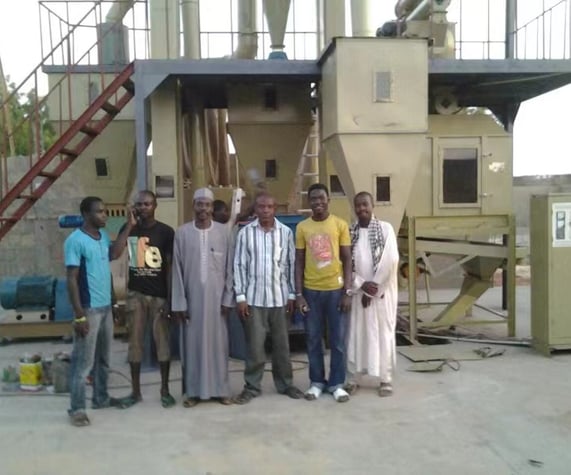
<point x="150" y="246"/>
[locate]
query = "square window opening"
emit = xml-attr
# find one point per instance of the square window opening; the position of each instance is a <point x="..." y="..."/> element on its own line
<point x="335" y="186"/>
<point x="270" y="98"/>
<point x="383" y="189"/>
<point x="101" y="168"/>
<point x="271" y="169"/>
<point x="460" y="175"/>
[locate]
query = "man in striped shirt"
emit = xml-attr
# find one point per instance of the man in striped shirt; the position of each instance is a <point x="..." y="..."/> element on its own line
<point x="264" y="284"/>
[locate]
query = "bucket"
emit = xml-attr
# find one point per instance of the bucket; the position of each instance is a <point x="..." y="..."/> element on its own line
<point x="60" y="373"/>
<point x="31" y="373"/>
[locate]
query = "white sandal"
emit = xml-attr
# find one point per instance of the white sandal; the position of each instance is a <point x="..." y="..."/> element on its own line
<point x="340" y="395"/>
<point x="385" y="390"/>
<point x="312" y="393"/>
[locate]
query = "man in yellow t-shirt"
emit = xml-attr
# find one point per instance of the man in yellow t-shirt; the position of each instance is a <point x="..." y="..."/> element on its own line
<point x="323" y="283"/>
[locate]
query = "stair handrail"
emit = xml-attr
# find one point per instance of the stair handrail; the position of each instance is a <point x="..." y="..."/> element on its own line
<point x="69" y="69"/>
<point x="45" y="159"/>
<point x="53" y="50"/>
<point x="544" y="40"/>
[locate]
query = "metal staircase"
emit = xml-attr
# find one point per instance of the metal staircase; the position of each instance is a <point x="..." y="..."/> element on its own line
<point x="85" y="127"/>
<point x="75" y="127"/>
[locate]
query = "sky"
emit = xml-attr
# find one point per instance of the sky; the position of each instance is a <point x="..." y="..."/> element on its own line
<point x="542" y="138"/>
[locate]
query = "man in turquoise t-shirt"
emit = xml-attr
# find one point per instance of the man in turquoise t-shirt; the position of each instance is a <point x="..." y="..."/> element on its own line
<point x="87" y="252"/>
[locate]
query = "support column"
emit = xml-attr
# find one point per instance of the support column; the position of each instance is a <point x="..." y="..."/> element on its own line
<point x="191" y="28"/>
<point x="511" y="26"/>
<point x="141" y="139"/>
<point x="319" y="26"/>
<point x="165" y="29"/>
<point x="511" y="277"/>
<point x="412" y="313"/>
<point x="166" y="162"/>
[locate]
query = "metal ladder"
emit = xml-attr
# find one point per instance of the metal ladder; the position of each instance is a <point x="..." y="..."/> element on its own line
<point x="310" y="153"/>
<point x="25" y="193"/>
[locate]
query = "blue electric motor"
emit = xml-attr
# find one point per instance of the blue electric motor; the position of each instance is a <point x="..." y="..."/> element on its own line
<point x="29" y="292"/>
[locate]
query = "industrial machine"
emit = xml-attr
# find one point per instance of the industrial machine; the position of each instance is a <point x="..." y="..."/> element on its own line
<point x="31" y="305"/>
<point x="550" y="239"/>
<point x="390" y="107"/>
<point x="39" y="306"/>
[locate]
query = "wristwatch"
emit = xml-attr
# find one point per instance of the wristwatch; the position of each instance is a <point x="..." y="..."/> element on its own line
<point x="348" y="292"/>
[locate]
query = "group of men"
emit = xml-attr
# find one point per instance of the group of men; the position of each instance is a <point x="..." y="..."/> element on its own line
<point x="340" y="278"/>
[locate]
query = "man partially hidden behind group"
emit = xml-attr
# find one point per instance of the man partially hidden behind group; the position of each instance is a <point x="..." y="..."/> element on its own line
<point x="150" y="245"/>
<point x="371" y="344"/>
<point x="220" y="212"/>
<point x="265" y="295"/>
<point x="202" y="261"/>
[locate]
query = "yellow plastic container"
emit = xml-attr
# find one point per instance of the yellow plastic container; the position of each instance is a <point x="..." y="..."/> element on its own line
<point x="31" y="376"/>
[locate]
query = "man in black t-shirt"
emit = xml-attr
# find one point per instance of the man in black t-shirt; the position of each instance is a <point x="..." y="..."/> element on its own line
<point x="150" y="245"/>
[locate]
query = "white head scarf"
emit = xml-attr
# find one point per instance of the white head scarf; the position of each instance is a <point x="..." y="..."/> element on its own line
<point x="203" y="193"/>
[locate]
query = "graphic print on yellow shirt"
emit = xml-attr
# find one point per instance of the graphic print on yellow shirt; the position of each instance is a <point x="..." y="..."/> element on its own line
<point x="321" y="241"/>
<point x="322" y="250"/>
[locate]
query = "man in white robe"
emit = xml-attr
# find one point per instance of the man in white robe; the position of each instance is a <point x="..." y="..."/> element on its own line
<point x="371" y="345"/>
<point x="201" y="294"/>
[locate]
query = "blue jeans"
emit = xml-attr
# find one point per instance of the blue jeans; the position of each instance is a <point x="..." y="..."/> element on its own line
<point x="92" y="351"/>
<point x="324" y="310"/>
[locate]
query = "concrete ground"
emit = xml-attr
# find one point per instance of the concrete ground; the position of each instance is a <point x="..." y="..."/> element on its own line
<point x="505" y="415"/>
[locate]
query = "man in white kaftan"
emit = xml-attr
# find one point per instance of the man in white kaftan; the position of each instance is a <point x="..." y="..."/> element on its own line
<point x="371" y="342"/>
<point x="201" y="285"/>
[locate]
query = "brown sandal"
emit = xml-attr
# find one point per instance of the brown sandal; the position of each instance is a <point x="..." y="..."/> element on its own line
<point x="225" y="401"/>
<point x="244" y="397"/>
<point x="190" y="402"/>
<point x="351" y="388"/>
<point x="293" y="392"/>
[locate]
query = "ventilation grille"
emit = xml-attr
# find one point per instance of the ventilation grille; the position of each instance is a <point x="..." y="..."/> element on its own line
<point x="383" y="87"/>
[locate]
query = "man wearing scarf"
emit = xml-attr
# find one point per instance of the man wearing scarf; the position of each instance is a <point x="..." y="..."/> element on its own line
<point x="371" y="343"/>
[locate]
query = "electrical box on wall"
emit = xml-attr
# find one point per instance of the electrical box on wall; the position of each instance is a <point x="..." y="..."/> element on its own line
<point x="550" y="245"/>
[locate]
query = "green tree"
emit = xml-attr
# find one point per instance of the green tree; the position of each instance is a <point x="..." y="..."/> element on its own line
<point x="29" y="120"/>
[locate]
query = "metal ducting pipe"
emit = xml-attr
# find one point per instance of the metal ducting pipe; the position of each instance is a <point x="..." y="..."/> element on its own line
<point x="333" y="19"/>
<point x="319" y="29"/>
<point x="218" y="144"/>
<point x="426" y="7"/>
<point x="421" y="12"/>
<point x="363" y="17"/>
<point x="197" y="146"/>
<point x="113" y="36"/>
<point x="511" y="28"/>
<point x="118" y="11"/>
<point x="190" y="11"/>
<point x="247" y="47"/>
<point x="404" y="7"/>
<point x="195" y="150"/>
